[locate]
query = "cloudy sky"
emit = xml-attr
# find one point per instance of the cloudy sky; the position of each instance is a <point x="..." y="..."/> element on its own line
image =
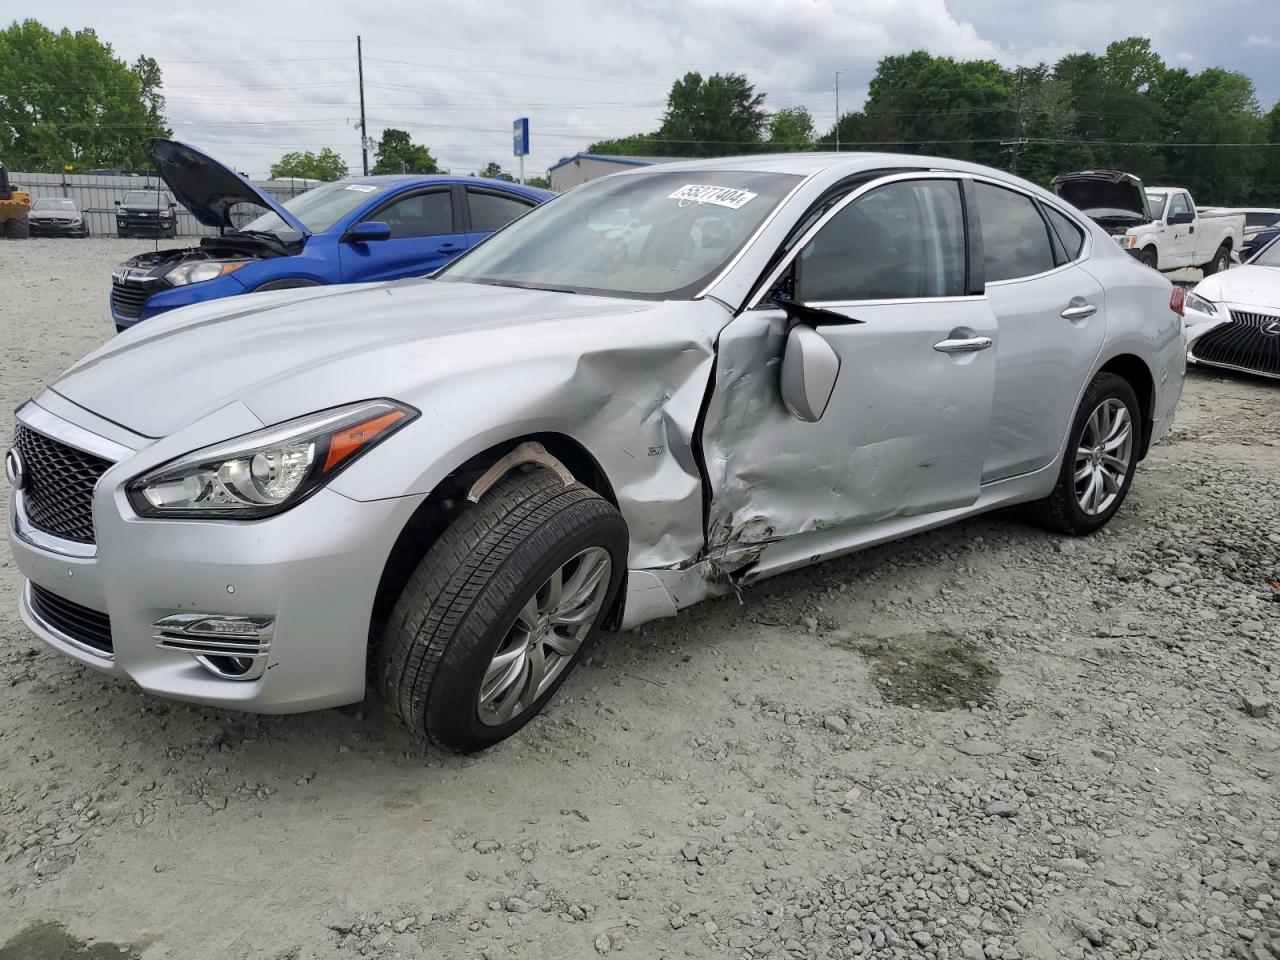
<point x="251" y="81"/>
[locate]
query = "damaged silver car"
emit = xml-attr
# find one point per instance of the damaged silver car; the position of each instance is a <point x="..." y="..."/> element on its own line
<point x="658" y="388"/>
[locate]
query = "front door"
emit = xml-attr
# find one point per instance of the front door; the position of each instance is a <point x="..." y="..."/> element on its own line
<point x="1182" y="235"/>
<point x="425" y="235"/>
<point x="905" y="430"/>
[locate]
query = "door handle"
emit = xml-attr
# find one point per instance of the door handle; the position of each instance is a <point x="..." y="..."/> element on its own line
<point x="965" y="345"/>
<point x="1079" y="311"/>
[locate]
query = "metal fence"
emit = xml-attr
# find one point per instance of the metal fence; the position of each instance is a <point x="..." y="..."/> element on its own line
<point x="96" y="195"/>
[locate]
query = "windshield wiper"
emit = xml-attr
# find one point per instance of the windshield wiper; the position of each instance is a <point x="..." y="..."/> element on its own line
<point x="521" y="286"/>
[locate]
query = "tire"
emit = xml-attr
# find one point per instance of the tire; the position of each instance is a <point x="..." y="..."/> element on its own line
<point x="1063" y="511"/>
<point x="121" y="235"/>
<point x="1150" y="258"/>
<point x="469" y="596"/>
<point x="18" y="229"/>
<point x="1221" y="261"/>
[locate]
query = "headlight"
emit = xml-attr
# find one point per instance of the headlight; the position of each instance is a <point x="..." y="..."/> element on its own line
<point x="198" y="271"/>
<point x="269" y="471"/>
<point x="1199" y="303"/>
<point x="1127" y="241"/>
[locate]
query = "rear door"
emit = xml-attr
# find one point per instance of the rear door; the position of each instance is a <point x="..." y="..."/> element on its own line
<point x="426" y="233"/>
<point x="906" y="426"/>
<point x="1052" y="317"/>
<point x="492" y="210"/>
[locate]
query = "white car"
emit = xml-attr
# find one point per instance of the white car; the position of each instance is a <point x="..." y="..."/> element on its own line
<point x="1233" y="318"/>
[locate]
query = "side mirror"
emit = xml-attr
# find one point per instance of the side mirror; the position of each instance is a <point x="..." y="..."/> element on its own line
<point x="368" y="232"/>
<point x="1180" y="218"/>
<point x="117" y="203"/>
<point x="809" y="369"/>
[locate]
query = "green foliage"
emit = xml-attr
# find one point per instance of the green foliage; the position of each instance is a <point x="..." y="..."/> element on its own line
<point x="397" y="153"/>
<point x="494" y="172"/>
<point x="790" y="129"/>
<point x="542" y="182"/>
<point x="65" y="98"/>
<point x="636" y="145"/>
<point x="325" y="165"/>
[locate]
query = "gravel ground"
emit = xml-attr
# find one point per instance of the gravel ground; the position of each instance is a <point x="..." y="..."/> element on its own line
<point x="982" y="742"/>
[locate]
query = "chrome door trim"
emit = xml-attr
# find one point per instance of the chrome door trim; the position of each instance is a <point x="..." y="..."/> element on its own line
<point x="963" y="345"/>
<point x="1079" y="312"/>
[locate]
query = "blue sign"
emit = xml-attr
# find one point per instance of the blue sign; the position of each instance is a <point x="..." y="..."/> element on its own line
<point x="520" y="137"/>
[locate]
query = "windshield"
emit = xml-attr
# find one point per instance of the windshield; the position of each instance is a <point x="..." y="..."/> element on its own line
<point x="1268" y="256"/>
<point x="146" y="198"/>
<point x="318" y="209"/>
<point x="652" y="235"/>
<point x="54" y="203"/>
<point x="1156" y="202"/>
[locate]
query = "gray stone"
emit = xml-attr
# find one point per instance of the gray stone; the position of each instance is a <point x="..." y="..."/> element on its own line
<point x="487" y="846"/>
<point x="1002" y="808"/>
<point x="980" y="748"/>
<point x="836" y="724"/>
<point x="1255" y="705"/>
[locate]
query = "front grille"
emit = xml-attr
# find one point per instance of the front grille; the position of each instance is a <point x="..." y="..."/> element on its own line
<point x="128" y="297"/>
<point x="89" y="627"/>
<point x="1243" y="343"/>
<point x="58" y="490"/>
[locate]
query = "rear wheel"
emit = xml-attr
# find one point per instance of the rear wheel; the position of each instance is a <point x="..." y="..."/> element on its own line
<point x="1097" y="469"/>
<point x="18" y="229"/>
<point x="1221" y="260"/>
<point x="1149" y="257"/>
<point x="501" y="609"/>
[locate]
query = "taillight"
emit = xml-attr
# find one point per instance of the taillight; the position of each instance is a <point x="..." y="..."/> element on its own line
<point x="1178" y="300"/>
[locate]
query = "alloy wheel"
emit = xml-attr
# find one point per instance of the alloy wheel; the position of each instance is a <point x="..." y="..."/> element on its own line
<point x="1103" y="456"/>
<point x="546" y="634"/>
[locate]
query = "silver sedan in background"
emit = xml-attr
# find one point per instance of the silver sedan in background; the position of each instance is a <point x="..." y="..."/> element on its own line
<point x="663" y="386"/>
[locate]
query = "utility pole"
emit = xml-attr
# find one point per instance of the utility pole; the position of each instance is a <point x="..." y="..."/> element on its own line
<point x="364" y="136"/>
<point x="1019" y="141"/>
<point x="838" y="72"/>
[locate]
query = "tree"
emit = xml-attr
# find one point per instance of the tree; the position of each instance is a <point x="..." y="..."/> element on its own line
<point x="495" y="172"/>
<point x="790" y="129"/>
<point x="65" y="98"/>
<point x="325" y="165"/>
<point x="397" y="153"/>
<point x="542" y="182"/>
<point x="636" y="145"/>
<point x="718" y="116"/>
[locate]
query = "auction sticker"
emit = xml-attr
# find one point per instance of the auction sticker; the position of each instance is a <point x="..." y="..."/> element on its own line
<point x="361" y="187"/>
<point x="721" y="196"/>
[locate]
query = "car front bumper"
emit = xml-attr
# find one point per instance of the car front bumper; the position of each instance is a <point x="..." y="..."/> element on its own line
<point x="167" y="298"/>
<point x="310" y="574"/>
<point x="44" y="228"/>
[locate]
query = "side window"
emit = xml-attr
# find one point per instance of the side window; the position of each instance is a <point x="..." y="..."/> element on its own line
<point x="900" y="241"/>
<point x="1015" y="240"/>
<point x="1070" y="236"/>
<point x="1179" y="204"/>
<point x="489" y="211"/>
<point x="419" y="215"/>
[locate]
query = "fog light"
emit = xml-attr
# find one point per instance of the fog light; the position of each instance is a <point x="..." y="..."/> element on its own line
<point x="230" y="646"/>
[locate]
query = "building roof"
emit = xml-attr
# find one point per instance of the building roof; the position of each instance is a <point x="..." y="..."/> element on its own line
<point x="607" y="158"/>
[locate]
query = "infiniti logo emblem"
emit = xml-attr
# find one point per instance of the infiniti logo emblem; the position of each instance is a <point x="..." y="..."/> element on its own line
<point x="1271" y="329"/>
<point x="15" y="470"/>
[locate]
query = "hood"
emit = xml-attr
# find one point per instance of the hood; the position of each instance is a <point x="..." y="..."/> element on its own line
<point x="1245" y="286"/>
<point x="208" y="189"/>
<point x="1098" y="189"/>
<point x="309" y="344"/>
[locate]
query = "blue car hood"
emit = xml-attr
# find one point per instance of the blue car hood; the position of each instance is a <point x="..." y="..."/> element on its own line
<point x="207" y="188"/>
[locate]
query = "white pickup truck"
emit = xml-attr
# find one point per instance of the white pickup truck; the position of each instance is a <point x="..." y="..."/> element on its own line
<point x="1158" y="225"/>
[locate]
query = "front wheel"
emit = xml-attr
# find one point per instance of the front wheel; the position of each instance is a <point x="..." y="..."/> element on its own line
<point x="1150" y="258"/>
<point x="501" y="609"/>
<point x="1097" y="469"/>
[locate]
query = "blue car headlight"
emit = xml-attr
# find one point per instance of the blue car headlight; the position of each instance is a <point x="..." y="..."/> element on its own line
<point x="198" y="271"/>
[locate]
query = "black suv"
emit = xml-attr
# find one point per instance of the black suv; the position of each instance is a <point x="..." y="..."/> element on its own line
<point x="146" y="213"/>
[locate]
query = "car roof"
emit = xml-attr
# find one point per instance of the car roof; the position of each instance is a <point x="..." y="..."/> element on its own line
<point x="429" y="179"/>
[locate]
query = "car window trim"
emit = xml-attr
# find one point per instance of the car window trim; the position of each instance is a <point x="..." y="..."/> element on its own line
<point x="410" y="194"/>
<point x="772" y="277"/>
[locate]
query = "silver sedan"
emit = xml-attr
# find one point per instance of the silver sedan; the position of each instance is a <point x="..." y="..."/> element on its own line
<point x="661" y="387"/>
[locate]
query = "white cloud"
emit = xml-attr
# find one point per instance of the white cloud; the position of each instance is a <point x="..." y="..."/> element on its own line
<point x="1256" y="40"/>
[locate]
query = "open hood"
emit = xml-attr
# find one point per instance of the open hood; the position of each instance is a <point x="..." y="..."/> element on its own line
<point x="1094" y="190"/>
<point x="207" y="188"/>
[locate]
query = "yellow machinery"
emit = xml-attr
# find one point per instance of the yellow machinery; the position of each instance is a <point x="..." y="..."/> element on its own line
<point x="15" y="204"/>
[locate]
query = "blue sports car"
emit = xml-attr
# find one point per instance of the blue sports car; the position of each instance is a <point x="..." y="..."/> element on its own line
<point x="351" y="231"/>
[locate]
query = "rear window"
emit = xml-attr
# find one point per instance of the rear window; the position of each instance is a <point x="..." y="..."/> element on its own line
<point x="1015" y="240"/>
<point x="1069" y="235"/>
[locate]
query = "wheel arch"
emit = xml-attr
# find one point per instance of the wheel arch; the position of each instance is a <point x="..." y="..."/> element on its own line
<point x="1138" y="374"/>
<point x="449" y="498"/>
